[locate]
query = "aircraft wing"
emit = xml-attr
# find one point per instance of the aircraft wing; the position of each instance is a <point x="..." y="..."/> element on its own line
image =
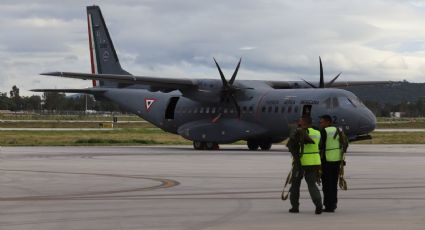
<point x="162" y="83"/>
<point x="339" y="84"/>
<point x="342" y="84"/>
<point x="86" y="91"/>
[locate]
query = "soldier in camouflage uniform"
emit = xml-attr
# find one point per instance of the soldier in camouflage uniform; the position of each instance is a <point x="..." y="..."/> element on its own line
<point x="304" y="147"/>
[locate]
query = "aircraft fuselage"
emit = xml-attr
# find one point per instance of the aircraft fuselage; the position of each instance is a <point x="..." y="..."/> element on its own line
<point x="265" y="114"/>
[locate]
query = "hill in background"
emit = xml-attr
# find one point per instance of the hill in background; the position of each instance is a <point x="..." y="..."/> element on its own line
<point x="394" y="93"/>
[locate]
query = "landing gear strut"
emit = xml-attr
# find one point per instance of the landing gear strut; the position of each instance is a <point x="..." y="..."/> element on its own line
<point x="202" y="145"/>
<point x="252" y="145"/>
<point x="199" y="145"/>
<point x="265" y="145"/>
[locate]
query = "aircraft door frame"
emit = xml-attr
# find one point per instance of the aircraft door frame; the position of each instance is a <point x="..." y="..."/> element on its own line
<point x="306" y="110"/>
<point x="171" y="108"/>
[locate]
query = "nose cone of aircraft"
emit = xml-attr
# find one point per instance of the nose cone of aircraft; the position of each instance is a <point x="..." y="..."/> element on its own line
<point x="367" y="122"/>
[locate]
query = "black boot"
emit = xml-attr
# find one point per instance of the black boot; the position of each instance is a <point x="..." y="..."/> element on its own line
<point x="329" y="210"/>
<point x="294" y="210"/>
<point x="318" y="210"/>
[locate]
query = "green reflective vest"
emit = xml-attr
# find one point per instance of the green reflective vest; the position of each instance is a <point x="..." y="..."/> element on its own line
<point x="333" y="147"/>
<point x="310" y="155"/>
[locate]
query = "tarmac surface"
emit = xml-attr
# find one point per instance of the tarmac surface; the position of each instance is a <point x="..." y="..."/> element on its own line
<point x="175" y="187"/>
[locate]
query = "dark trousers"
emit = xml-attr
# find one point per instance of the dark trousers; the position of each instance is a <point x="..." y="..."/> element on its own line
<point x="330" y="172"/>
<point x="311" y="174"/>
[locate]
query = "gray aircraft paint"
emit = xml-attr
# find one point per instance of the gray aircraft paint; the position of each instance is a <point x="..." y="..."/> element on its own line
<point x="188" y="107"/>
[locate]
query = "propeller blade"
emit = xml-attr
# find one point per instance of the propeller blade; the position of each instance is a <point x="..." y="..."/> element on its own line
<point x="333" y="80"/>
<point x="235" y="73"/>
<point x="233" y="99"/>
<point x="322" y="81"/>
<point x="308" y="83"/>
<point x="223" y="79"/>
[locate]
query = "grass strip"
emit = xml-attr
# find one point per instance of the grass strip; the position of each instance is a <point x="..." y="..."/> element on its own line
<point x="148" y="136"/>
<point x="113" y="137"/>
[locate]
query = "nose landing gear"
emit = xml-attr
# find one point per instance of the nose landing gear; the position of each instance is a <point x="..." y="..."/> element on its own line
<point x="264" y="145"/>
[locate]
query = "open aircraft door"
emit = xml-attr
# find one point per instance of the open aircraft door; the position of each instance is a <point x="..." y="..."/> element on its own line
<point x="171" y="108"/>
<point x="306" y="111"/>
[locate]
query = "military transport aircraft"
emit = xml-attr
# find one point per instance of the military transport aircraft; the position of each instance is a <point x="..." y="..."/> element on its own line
<point x="214" y="111"/>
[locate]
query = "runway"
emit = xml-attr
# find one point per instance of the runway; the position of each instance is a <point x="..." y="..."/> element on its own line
<point x="175" y="187"/>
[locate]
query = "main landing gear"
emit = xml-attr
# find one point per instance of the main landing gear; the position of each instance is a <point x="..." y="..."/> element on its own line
<point x="202" y="145"/>
<point x="262" y="144"/>
<point x="253" y="145"/>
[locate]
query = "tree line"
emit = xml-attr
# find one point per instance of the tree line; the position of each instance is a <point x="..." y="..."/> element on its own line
<point x="53" y="101"/>
<point x="407" y="108"/>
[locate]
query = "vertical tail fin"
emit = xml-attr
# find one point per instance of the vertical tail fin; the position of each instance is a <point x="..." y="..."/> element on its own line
<point x="103" y="57"/>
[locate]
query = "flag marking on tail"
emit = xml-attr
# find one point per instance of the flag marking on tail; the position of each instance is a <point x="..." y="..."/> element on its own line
<point x="93" y="57"/>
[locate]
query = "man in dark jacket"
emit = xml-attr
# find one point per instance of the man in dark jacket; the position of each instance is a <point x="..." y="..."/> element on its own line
<point x="333" y="145"/>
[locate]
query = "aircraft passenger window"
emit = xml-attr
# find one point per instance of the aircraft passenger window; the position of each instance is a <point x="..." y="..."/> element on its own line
<point x="289" y="109"/>
<point x="251" y="108"/>
<point x="195" y="110"/>
<point x="335" y="103"/>
<point x="263" y="109"/>
<point x="296" y="109"/>
<point x="201" y="110"/>
<point x="225" y="110"/>
<point x="270" y="109"/>
<point x="207" y="110"/>
<point x="283" y="109"/>
<point x="244" y="108"/>
<point x="213" y="110"/>
<point x="276" y="109"/>
<point x="231" y="110"/>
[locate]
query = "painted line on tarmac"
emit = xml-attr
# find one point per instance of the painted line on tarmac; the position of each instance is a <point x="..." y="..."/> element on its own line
<point x="399" y="130"/>
<point x="164" y="183"/>
<point x="58" y="129"/>
<point x="68" y="121"/>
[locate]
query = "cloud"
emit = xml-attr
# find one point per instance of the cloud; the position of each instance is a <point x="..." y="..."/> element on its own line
<point x="277" y="40"/>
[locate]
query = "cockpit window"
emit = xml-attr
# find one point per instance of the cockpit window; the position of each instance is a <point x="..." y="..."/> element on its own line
<point x="328" y="103"/>
<point x="335" y="103"/>
<point x="356" y="101"/>
<point x="331" y="102"/>
<point x="346" y="102"/>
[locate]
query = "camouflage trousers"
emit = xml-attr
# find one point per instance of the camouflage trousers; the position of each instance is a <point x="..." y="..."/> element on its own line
<point x="311" y="174"/>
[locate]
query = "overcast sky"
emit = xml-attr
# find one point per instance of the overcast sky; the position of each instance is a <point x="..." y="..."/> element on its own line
<point x="277" y="39"/>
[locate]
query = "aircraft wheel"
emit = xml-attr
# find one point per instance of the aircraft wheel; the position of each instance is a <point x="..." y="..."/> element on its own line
<point x="211" y="146"/>
<point x="252" y="145"/>
<point x="199" y="145"/>
<point x="265" y="146"/>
